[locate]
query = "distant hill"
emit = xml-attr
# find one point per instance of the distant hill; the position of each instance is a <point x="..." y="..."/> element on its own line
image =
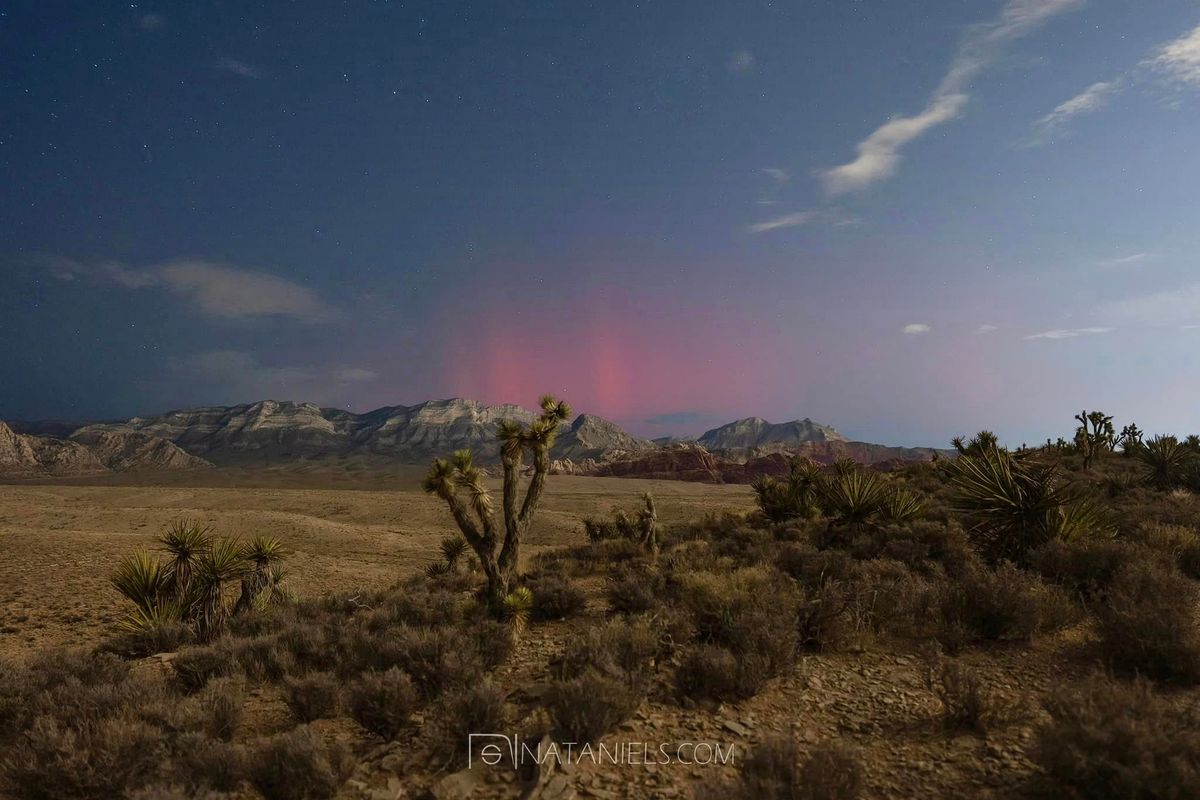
<point x="26" y="456"/>
<point x="279" y="432"/>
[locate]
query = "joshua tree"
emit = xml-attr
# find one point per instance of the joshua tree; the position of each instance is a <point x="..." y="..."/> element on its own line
<point x="217" y="569"/>
<point x="498" y="548"/>
<point x="1165" y="460"/>
<point x="1130" y="438"/>
<point x="979" y="444"/>
<point x="1094" y="435"/>
<point x="795" y="496"/>
<point x="186" y="542"/>
<point x="264" y="553"/>
<point x="648" y="524"/>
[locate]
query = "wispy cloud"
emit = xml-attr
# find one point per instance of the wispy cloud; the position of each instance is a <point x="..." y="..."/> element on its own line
<point x="834" y="217"/>
<point x="1133" y="259"/>
<point x="217" y="290"/>
<point x="239" y="376"/>
<point x="240" y="68"/>
<point x="1068" y="333"/>
<point x="776" y="174"/>
<point x="741" y="62"/>
<point x="1093" y="98"/>
<point x="880" y="153"/>
<point x="986" y="329"/>
<point x="916" y="329"/>
<point x="357" y="375"/>
<point x="151" y="22"/>
<point x="1179" y="60"/>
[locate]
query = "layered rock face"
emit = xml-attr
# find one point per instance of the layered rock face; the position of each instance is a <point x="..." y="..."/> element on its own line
<point x="123" y="452"/>
<point x="757" y="433"/>
<point x="593" y="437"/>
<point x="680" y="462"/>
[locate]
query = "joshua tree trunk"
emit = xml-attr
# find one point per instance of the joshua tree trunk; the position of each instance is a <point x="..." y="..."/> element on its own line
<point x="475" y="516"/>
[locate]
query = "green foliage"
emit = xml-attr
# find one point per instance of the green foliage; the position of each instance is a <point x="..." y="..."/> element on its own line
<point x="853" y="496"/>
<point x="793" y="497"/>
<point x="1015" y="504"/>
<point x="1165" y="461"/>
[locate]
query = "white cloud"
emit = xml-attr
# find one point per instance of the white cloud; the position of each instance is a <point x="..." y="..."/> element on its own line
<point x="1068" y="333"/>
<point x="1093" y="98"/>
<point x="985" y="329"/>
<point x="236" y="376"/>
<point x="833" y="217"/>
<point x="916" y="329"/>
<point x="1179" y="60"/>
<point x="879" y="154"/>
<point x="217" y="290"/>
<point x="240" y="68"/>
<point x="776" y="174"/>
<point x="741" y="62"/>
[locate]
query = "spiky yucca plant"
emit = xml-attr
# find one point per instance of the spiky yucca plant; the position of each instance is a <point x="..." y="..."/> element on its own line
<point x="219" y="567"/>
<point x="143" y="579"/>
<point x="795" y="496"/>
<point x="185" y="542"/>
<point x="263" y="555"/>
<point x="453" y="549"/>
<point x="498" y="547"/>
<point x="853" y="496"/>
<point x="901" y="506"/>
<point x="1015" y="505"/>
<point x="517" y="605"/>
<point x="1165" y="460"/>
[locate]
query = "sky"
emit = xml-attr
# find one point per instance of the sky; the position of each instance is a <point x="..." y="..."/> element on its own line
<point x="906" y="220"/>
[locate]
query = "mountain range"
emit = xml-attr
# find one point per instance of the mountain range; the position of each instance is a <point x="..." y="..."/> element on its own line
<point x="277" y="431"/>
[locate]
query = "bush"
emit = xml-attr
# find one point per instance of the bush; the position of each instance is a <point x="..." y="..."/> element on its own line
<point x="221" y="706"/>
<point x="200" y="762"/>
<point x="710" y="671"/>
<point x="821" y="618"/>
<point x="586" y="707"/>
<point x="382" y="702"/>
<point x="1086" y="568"/>
<point x="621" y="649"/>
<point x="1179" y="543"/>
<point x="1149" y="623"/>
<point x="196" y="666"/>
<point x="300" y="765"/>
<point x="475" y="708"/>
<point x="316" y="695"/>
<point x="555" y="597"/>
<point x="1113" y="740"/>
<point x="160" y="636"/>
<point x="774" y="772"/>
<point x="1001" y="605"/>
<point x="967" y="702"/>
<point x="633" y="589"/>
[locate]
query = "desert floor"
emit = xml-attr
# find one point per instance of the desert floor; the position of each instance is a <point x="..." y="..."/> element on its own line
<point x="59" y="542"/>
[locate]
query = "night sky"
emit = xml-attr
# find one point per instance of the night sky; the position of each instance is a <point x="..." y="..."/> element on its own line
<point x="908" y="220"/>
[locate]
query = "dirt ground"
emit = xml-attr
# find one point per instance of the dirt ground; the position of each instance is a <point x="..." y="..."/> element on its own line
<point x="59" y="542"/>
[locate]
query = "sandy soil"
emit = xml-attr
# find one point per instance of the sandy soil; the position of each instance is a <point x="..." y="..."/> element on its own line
<point x="59" y="542"/>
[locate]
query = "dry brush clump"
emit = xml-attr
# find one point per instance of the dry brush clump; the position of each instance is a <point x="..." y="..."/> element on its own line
<point x="1110" y="739"/>
<point x="777" y="770"/>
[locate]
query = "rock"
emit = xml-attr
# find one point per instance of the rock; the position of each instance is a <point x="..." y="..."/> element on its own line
<point x="456" y="786"/>
<point x="25" y="456"/>
<point x="735" y="727"/>
<point x="754" y="432"/>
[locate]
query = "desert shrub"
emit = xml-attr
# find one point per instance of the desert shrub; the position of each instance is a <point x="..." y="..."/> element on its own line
<point x="475" y="708"/>
<point x="584" y="708"/>
<point x="163" y="635"/>
<point x="1180" y="543"/>
<point x="714" y="672"/>
<point x="103" y="758"/>
<point x="811" y="566"/>
<point x="774" y="771"/>
<point x="382" y="702"/>
<point x="633" y="589"/>
<point x="1165" y="461"/>
<point x="751" y="612"/>
<point x="221" y="705"/>
<point x="199" y="762"/>
<point x="196" y="666"/>
<point x="1149" y="624"/>
<point x="300" y="765"/>
<point x="555" y="597"/>
<point x="172" y="791"/>
<point x="968" y="703"/>
<point x="854" y="497"/>
<point x="1001" y="605"/>
<point x="883" y="597"/>
<point x="1085" y="569"/>
<point x="623" y="649"/>
<point x="821" y="615"/>
<point x="312" y="644"/>
<point x="1108" y="740"/>
<point x="316" y="695"/>
<point x="925" y="546"/>
<point x="263" y="658"/>
<point x="436" y="659"/>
